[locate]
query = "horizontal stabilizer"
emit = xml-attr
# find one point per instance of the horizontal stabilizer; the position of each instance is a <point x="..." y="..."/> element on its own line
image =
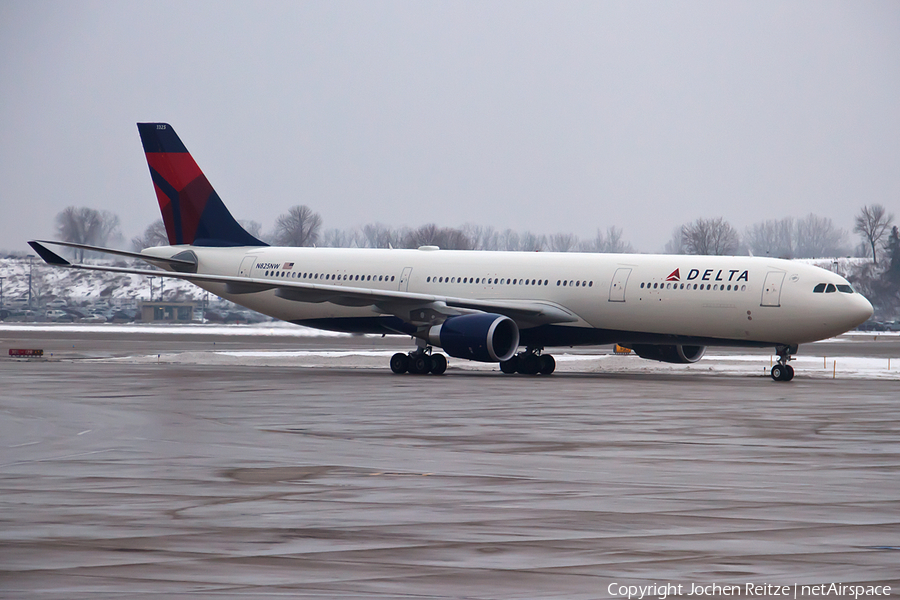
<point x="176" y="263"/>
<point x="50" y="257"/>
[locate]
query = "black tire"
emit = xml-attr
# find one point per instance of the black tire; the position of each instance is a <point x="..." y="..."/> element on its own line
<point x="438" y="364"/>
<point x="529" y="364"/>
<point x="778" y="373"/>
<point x="419" y="364"/>
<point x="788" y="373"/>
<point x="547" y="364"/>
<point x="399" y="363"/>
<point x="509" y="366"/>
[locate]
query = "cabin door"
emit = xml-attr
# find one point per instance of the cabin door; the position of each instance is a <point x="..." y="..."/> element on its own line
<point x="246" y="266"/>
<point x="404" y="279"/>
<point x="617" y="286"/>
<point x="771" y="294"/>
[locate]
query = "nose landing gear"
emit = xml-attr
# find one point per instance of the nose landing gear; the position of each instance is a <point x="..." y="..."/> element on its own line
<point x="782" y="371"/>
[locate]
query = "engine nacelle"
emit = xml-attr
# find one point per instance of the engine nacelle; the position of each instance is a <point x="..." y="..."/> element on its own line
<point x="671" y="354"/>
<point x="484" y="337"/>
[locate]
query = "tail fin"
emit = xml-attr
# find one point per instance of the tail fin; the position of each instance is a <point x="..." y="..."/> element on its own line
<point x="192" y="211"/>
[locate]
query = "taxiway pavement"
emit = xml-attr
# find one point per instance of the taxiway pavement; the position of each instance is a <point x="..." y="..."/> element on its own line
<point x="129" y="478"/>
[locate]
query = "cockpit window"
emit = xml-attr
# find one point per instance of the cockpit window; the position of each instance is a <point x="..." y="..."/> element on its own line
<point x="830" y="289"/>
<point x="819" y="288"/>
<point x="845" y="288"/>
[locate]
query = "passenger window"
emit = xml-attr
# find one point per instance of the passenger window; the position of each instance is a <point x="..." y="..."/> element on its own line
<point x="830" y="289"/>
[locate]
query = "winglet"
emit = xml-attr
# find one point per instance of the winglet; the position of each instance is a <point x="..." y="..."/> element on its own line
<point x="50" y="257"/>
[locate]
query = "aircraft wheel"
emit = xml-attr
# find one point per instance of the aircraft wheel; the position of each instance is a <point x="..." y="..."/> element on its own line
<point x="529" y="364"/>
<point x="788" y="373"/>
<point x="782" y="372"/>
<point x="419" y="364"/>
<point x="399" y="363"/>
<point x="509" y="366"/>
<point x="547" y="364"/>
<point x="438" y="364"/>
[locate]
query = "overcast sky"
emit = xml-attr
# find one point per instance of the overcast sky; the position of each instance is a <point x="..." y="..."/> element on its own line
<point x="542" y="116"/>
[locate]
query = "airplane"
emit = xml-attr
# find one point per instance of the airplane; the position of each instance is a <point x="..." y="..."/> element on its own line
<point x="483" y="305"/>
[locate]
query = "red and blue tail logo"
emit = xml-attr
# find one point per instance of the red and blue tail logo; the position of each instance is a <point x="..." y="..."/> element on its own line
<point x="192" y="211"/>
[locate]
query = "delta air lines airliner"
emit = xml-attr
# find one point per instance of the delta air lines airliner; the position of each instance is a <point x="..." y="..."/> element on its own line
<point x="486" y="306"/>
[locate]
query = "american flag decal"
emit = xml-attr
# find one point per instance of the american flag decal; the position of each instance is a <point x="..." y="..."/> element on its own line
<point x="287" y="266"/>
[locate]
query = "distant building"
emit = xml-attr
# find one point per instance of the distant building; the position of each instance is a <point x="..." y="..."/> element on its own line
<point x="169" y="312"/>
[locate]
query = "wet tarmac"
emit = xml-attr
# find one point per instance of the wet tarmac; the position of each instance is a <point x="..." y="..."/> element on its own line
<point x="123" y="478"/>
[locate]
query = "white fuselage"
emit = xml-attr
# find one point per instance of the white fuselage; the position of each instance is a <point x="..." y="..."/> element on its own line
<point x="710" y="299"/>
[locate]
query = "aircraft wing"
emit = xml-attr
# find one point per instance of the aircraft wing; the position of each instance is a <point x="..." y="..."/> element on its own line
<point x="413" y="307"/>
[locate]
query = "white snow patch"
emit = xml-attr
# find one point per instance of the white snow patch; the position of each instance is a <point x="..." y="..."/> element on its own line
<point x="260" y="329"/>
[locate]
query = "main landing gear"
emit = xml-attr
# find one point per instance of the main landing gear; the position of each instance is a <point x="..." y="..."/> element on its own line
<point x="419" y="362"/>
<point x="530" y="362"/>
<point x="782" y="371"/>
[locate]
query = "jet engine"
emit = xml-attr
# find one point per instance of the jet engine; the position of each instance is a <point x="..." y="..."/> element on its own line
<point x="671" y="354"/>
<point x="483" y="337"/>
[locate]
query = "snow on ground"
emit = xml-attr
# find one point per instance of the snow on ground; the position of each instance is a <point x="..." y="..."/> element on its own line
<point x="806" y="367"/>
<point x="274" y="328"/>
<point x="87" y="286"/>
<point x="599" y="361"/>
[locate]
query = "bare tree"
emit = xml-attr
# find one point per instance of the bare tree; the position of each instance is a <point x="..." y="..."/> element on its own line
<point x="532" y="242"/>
<point x="88" y="226"/>
<point x="254" y="228"/>
<point x="341" y="238"/>
<point x="709" y="236"/>
<point x="817" y="237"/>
<point x="482" y="237"/>
<point x="872" y="223"/>
<point x="772" y="238"/>
<point x="443" y="237"/>
<point x="675" y="245"/>
<point x="299" y="226"/>
<point x="154" y="235"/>
<point x="609" y="241"/>
<point x="378" y="235"/>
<point x="563" y="242"/>
<point x="509" y="241"/>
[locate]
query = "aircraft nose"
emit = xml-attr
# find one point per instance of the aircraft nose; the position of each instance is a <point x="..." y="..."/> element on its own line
<point x="862" y="310"/>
